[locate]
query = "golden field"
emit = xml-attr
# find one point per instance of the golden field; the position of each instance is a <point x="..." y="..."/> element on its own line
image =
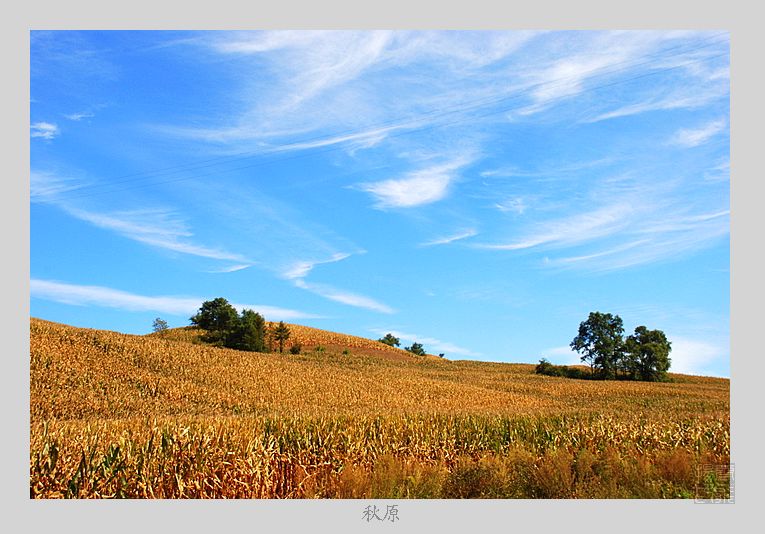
<point x="164" y="416"/>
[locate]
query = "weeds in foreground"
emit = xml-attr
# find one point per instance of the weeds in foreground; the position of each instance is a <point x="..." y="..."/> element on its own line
<point x="400" y="457"/>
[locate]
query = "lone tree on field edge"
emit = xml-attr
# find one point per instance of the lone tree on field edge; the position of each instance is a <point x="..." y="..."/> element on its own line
<point x="159" y="325"/>
<point x="281" y="334"/>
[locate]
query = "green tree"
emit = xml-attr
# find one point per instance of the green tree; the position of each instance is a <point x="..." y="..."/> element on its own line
<point x="647" y="354"/>
<point x="390" y="339"/>
<point x="159" y="325"/>
<point x="600" y="343"/>
<point x="416" y="348"/>
<point x="218" y="317"/>
<point x="281" y="333"/>
<point x="249" y="333"/>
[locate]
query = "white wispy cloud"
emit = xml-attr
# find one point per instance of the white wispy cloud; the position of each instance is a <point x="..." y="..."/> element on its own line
<point x="157" y="228"/>
<point x="515" y="205"/>
<point x="616" y="228"/>
<point x="324" y="58"/>
<point x="654" y="240"/>
<point x="329" y="80"/>
<point x="297" y="271"/>
<point x="160" y="228"/>
<point x="79" y="116"/>
<point x="231" y="269"/>
<point x="450" y="239"/>
<point x="423" y="186"/>
<point x="312" y="63"/>
<point x="692" y="137"/>
<point x="44" y="130"/>
<point x="719" y="172"/>
<point x="265" y="143"/>
<point x="431" y="344"/>
<point x="335" y="81"/>
<point x="86" y="295"/>
<point x="664" y="103"/>
<point x="570" y="168"/>
<point x="572" y="230"/>
<point x="366" y="139"/>
<point x="344" y="297"/>
<point x="601" y="254"/>
<point x="301" y="268"/>
<point x="566" y="76"/>
<point x="686" y="223"/>
<point x="602" y="56"/>
<point x="46" y="186"/>
<point x="706" y="83"/>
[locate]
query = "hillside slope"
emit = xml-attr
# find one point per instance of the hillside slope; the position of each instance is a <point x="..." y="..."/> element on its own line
<point x="309" y="339"/>
<point x="116" y="415"/>
<point x="81" y="373"/>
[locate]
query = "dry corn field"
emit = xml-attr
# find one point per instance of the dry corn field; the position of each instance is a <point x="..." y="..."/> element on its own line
<point x="164" y="416"/>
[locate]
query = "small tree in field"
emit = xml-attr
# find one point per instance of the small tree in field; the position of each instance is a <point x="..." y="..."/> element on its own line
<point x="390" y="340"/>
<point x="647" y="353"/>
<point x="600" y="342"/>
<point x="281" y="333"/>
<point x="159" y="325"/>
<point x="417" y="349"/>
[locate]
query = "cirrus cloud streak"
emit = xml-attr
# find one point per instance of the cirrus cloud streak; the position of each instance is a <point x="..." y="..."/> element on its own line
<point x="88" y="295"/>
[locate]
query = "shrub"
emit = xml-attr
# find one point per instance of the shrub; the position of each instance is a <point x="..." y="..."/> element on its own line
<point x="390" y="340"/>
<point x="296" y="348"/>
<point x="484" y="479"/>
<point x="553" y="477"/>
<point x="544" y="367"/>
<point x="416" y="348"/>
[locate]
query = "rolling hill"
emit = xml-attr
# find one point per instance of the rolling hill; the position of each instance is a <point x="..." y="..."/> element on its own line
<point x="309" y="339"/>
<point x="79" y="373"/>
<point x="98" y="398"/>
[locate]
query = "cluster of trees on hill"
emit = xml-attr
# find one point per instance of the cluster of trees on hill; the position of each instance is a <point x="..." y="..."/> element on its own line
<point x="224" y="327"/>
<point x="246" y="331"/>
<point x="643" y="355"/>
<point x="415" y="348"/>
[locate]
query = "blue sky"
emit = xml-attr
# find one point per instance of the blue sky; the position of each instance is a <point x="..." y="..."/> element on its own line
<point x="477" y="192"/>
